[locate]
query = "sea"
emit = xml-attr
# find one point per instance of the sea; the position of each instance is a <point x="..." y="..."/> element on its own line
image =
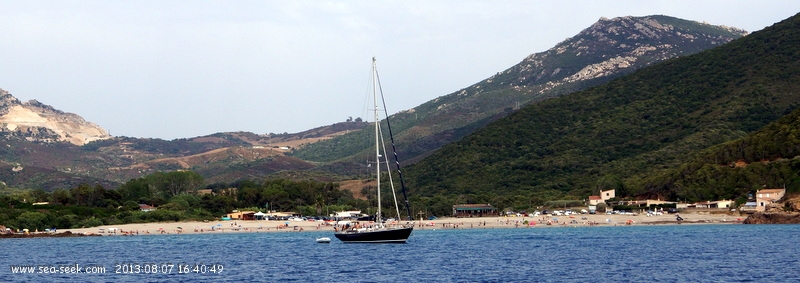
<point x="637" y="253"/>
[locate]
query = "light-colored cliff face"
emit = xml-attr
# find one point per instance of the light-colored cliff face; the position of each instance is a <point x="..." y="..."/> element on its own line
<point x="39" y="122"/>
<point x="607" y="49"/>
<point x="622" y="43"/>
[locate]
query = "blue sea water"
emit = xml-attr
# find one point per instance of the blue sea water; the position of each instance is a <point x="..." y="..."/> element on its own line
<point x="660" y="253"/>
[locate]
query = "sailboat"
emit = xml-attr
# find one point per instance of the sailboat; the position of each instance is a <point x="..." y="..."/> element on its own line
<point x="378" y="231"/>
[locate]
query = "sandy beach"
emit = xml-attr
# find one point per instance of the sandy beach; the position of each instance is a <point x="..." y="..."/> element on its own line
<point x="272" y="226"/>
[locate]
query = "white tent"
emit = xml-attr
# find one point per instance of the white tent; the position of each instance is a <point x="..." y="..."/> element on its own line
<point x="347" y="214"/>
<point x="260" y="215"/>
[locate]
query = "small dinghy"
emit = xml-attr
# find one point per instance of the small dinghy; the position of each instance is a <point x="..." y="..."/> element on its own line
<point x="323" y="240"/>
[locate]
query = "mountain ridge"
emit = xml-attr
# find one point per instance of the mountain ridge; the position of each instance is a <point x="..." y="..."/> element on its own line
<point x="39" y="122"/>
<point x="623" y="134"/>
<point x="421" y="130"/>
<point x="564" y="68"/>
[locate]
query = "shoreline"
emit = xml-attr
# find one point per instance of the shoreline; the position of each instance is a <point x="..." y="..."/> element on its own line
<point x="493" y="222"/>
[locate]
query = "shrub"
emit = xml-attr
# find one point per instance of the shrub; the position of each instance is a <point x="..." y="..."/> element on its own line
<point x="89" y="222"/>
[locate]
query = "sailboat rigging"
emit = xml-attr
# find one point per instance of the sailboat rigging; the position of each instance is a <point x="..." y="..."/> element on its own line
<point x="380" y="232"/>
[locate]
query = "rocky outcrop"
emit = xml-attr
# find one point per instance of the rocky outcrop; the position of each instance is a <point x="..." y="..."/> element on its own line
<point x="39" y="122"/>
<point x="45" y="235"/>
<point x="616" y="45"/>
<point x="773" y="218"/>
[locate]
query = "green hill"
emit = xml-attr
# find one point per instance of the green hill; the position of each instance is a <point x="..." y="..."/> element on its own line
<point x="625" y="132"/>
<point x="608" y="49"/>
<point x="769" y="157"/>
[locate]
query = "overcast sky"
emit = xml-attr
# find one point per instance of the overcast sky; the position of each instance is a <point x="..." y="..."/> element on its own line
<point x="181" y="69"/>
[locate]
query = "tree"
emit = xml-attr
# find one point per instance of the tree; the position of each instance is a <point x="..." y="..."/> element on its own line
<point x="182" y="202"/>
<point x="62" y="197"/>
<point x="99" y="197"/>
<point x="249" y="196"/>
<point x="40" y="195"/>
<point x="113" y="197"/>
<point x="217" y="204"/>
<point x="130" y="206"/>
<point x="175" y="183"/>
<point x="31" y="220"/>
<point x="276" y="196"/>
<point x="319" y="201"/>
<point x="135" y="190"/>
<point x="87" y="196"/>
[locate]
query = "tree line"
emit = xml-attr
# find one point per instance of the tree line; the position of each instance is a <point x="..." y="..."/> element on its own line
<point x="178" y="196"/>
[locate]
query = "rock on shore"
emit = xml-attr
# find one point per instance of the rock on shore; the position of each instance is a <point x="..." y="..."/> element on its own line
<point x="773" y="218"/>
<point x="45" y="235"/>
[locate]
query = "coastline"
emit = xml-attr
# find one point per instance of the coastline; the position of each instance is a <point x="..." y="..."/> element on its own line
<point x="280" y="226"/>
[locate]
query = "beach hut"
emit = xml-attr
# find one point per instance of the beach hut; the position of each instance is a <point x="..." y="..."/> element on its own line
<point x="473" y="210"/>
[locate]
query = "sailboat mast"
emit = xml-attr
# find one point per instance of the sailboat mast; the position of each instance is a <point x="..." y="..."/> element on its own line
<point x="377" y="138"/>
<point x="394" y="151"/>
<point x="379" y="233"/>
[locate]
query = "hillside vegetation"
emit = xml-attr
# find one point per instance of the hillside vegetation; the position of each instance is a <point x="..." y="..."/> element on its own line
<point x="767" y="157"/>
<point x="176" y="196"/>
<point x="625" y="133"/>
<point x="221" y="157"/>
<point x="608" y="49"/>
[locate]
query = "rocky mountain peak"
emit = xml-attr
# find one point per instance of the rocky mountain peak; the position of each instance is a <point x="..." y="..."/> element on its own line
<point x="6" y="100"/>
<point x="36" y="121"/>
<point x="612" y="46"/>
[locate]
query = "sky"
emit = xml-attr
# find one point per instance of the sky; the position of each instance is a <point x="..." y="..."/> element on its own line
<point x="182" y="69"/>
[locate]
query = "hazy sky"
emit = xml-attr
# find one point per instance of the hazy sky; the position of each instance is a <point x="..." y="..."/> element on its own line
<point x="181" y="69"/>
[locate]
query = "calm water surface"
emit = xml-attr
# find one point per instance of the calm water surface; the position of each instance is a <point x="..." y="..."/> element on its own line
<point x="678" y="253"/>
